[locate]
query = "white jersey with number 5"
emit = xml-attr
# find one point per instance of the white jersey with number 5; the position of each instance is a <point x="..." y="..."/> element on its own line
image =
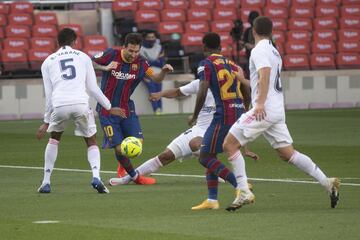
<point x="264" y="54"/>
<point x="67" y="74"/>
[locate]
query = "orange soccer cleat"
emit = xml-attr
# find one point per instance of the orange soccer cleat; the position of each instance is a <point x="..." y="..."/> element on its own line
<point x="121" y="172"/>
<point x="142" y="180"/>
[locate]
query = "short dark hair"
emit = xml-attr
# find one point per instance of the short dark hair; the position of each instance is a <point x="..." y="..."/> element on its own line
<point x="66" y="37"/>
<point x="263" y="26"/>
<point x="133" y="38"/>
<point x="252" y="16"/>
<point x="212" y="40"/>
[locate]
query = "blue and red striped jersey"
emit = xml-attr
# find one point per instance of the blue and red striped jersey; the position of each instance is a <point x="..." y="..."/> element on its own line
<point x="220" y="73"/>
<point x="118" y="84"/>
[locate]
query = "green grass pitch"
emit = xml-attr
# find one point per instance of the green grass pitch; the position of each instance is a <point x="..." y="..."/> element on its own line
<point x="283" y="210"/>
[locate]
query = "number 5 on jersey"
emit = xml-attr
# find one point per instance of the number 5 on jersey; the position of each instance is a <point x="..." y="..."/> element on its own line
<point x="68" y="69"/>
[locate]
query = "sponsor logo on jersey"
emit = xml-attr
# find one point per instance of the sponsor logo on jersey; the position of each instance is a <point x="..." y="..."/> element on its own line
<point x="122" y="76"/>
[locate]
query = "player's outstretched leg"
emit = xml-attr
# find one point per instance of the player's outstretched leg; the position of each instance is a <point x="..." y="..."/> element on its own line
<point x="241" y="199"/>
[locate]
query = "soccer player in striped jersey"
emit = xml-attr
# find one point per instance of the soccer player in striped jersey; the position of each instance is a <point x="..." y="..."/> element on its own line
<point x="228" y="86"/>
<point x="123" y="69"/>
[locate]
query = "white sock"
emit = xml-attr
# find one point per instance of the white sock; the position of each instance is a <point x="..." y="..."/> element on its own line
<point x="51" y="152"/>
<point x="150" y="166"/>
<point x="93" y="155"/>
<point x="238" y="163"/>
<point x="305" y="164"/>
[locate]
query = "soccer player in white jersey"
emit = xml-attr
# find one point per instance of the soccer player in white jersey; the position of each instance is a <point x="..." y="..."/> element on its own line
<point x="267" y="118"/>
<point x="186" y="144"/>
<point x="67" y="74"/>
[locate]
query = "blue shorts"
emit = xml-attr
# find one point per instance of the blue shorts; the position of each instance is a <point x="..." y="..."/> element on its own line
<point x="214" y="137"/>
<point x="116" y="129"/>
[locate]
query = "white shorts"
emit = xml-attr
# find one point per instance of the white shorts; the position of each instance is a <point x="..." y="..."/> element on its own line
<point x="247" y="129"/>
<point x="180" y="145"/>
<point x="82" y="115"/>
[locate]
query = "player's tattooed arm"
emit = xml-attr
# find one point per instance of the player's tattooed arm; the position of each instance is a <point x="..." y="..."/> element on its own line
<point x="169" y="93"/>
<point x="200" y="100"/>
<point x="106" y="68"/>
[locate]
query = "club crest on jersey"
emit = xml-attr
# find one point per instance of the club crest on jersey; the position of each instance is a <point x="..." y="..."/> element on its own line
<point x="122" y="76"/>
<point x="134" y="67"/>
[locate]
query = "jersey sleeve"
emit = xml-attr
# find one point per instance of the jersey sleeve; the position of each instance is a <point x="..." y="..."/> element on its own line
<point x="48" y="92"/>
<point x="149" y="72"/>
<point x="104" y="58"/>
<point x="260" y="59"/>
<point x="190" y="88"/>
<point x="204" y="70"/>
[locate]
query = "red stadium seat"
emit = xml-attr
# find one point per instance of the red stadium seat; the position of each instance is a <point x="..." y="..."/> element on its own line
<point x="350" y="23"/>
<point x="325" y="23"/>
<point x="150" y="5"/>
<point x="327" y="11"/>
<point x="328" y="2"/>
<point x="95" y="41"/>
<point x="322" y="61"/>
<point x="20" y="19"/>
<point x="324" y="34"/>
<point x="14" y="59"/>
<point x="2" y="35"/>
<point x="20" y="31"/>
<point x="197" y="27"/>
<point x="222" y="26"/>
<point x="3" y="20"/>
<point x="176" y="4"/>
<point x="21" y="7"/>
<point x="224" y="14"/>
<point x="124" y="9"/>
<point x="349" y="34"/>
<point x="278" y="3"/>
<point x="226" y="50"/>
<point x="225" y="38"/>
<point x="296" y="62"/>
<point x="37" y="57"/>
<point x="170" y="27"/>
<point x="276" y="12"/>
<point x="349" y="46"/>
<point x="44" y="31"/>
<point x="4" y="8"/>
<point x="192" y="42"/>
<point x="301" y="12"/>
<point x="78" y="44"/>
<point x="350" y="2"/>
<point x="303" y="3"/>
<point x="199" y="14"/>
<point x="350" y="10"/>
<point x="278" y="37"/>
<point x="16" y="43"/>
<point x="297" y="47"/>
<point x="170" y="15"/>
<point x="201" y="4"/>
<point x="348" y="60"/>
<point x="245" y="11"/>
<point x="323" y="47"/>
<point x="227" y="4"/>
<point x="48" y="18"/>
<point x="252" y="3"/>
<point x="145" y="16"/>
<point x="302" y="24"/>
<point x="42" y="43"/>
<point x="299" y="36"/>
<point x="280" y="48"/>
<point x="279" y="24"/>
<point x="76" y="27"/>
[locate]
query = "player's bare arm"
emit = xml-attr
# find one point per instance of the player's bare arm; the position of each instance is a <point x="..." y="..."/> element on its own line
<point x="109" y="67"/>
<point x="169" y="93"/>
<point x="42" y="131"/>
<point x="161" y="75"/>
<point x="200" y="100"/>
<point x="117" y="112"/>
<point x="263" y="88"/>
<point x="240" y="76"/>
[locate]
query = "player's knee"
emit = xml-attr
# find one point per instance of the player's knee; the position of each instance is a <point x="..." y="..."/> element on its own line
<point x="195" y="144"/>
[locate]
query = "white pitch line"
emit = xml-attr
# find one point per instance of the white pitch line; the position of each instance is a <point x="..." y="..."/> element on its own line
<point x="45" y="222"/>
<point x="185" y="175"/>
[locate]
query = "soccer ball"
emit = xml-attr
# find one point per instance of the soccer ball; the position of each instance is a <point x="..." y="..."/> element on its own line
<point x="131" y="147"/>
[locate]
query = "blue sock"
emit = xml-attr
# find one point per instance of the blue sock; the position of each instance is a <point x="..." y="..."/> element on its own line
<point x="212" y="184"/>
<point x="125" y="162"/>
<point x="219" y="169"/>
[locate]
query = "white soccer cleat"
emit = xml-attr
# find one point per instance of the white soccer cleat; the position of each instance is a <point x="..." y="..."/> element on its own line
<point x="242" y="198"/>
<point x="333" y="189"/>
<point x="119" y="181"/>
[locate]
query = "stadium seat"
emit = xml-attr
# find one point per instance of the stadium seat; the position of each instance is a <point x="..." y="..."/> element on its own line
<point x="14" y="60"/>
<point x="192" y="42"/>
<point x="42" y="43"/>
<point x="324" y="34"/>
<point x="150" y="5"/>
<point x="199" y="14"/>
<point x="322" y="61"/>
<point x="298" y="36"/>
<point x="350" y="2"/>
<point x="252" y="3"/>
<point x="16" y="43"/>
<point x="201" y="4"/>
<point x="37" y="57"/>
<point x="350" y="22"/>
<point x="3" y="20"/>
<point x="78" y="43"/>
<point x="20" y="31"/>
<point x="350" y="10"/>
<point x="297" y="47"/>
<point x="279" y="47"/>
<point x="197" y="27"/>
<point x="349" y="34"/>
<point x="279" y="24"/>
<point x="244" y="12"/>
<point x="323" y="47"/>
<point x="278" y="3"/>
<point x="124" y="9"/>
<point x="302" y="24"/>
<point x="21" y="7"/>
<point x="327" y="11"/>
<point x="278" y="37"/>
<point x="225" y="38"/>
<point x="303" y="3"/>
<point x="4" y="8"/>
<point x="328" y="2"/>
<point x="301" y="12"/>
<point x="147" y="19"/>
<point x="224" y="14"/>
<point x="296" y="62"/>
<point x="276" y="12"/>
<point x="95" y="41"/>
<point x="222" y="26"/>
<point x="20" y="19"/>
<point x="171" y="15"/>
<point x="48" y="18"/>
<point x="2" y="34"/>
<point x="226" y="50"/>
<point x="167" y="28"/>
<point x="76" y="27"/>
<point x="227" y="4"/>
<point x="44" y="31"/>
<point x="325" y="23"/>
<point x="176" y="4"/>
<point x="350" y="46"/>
<point x="348" y="60"/>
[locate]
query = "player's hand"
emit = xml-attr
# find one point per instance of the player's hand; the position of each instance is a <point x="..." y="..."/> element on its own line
<point x="251" y="154"/>
<point x="167" y="68"/>
<point x="42" y="131"/>
<point x="118" y="112"/>
<point x="155" y="96"/>
<point x="112" y="65"/>
<point x="191" y="120"/>
<point x="259" y="112"/>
